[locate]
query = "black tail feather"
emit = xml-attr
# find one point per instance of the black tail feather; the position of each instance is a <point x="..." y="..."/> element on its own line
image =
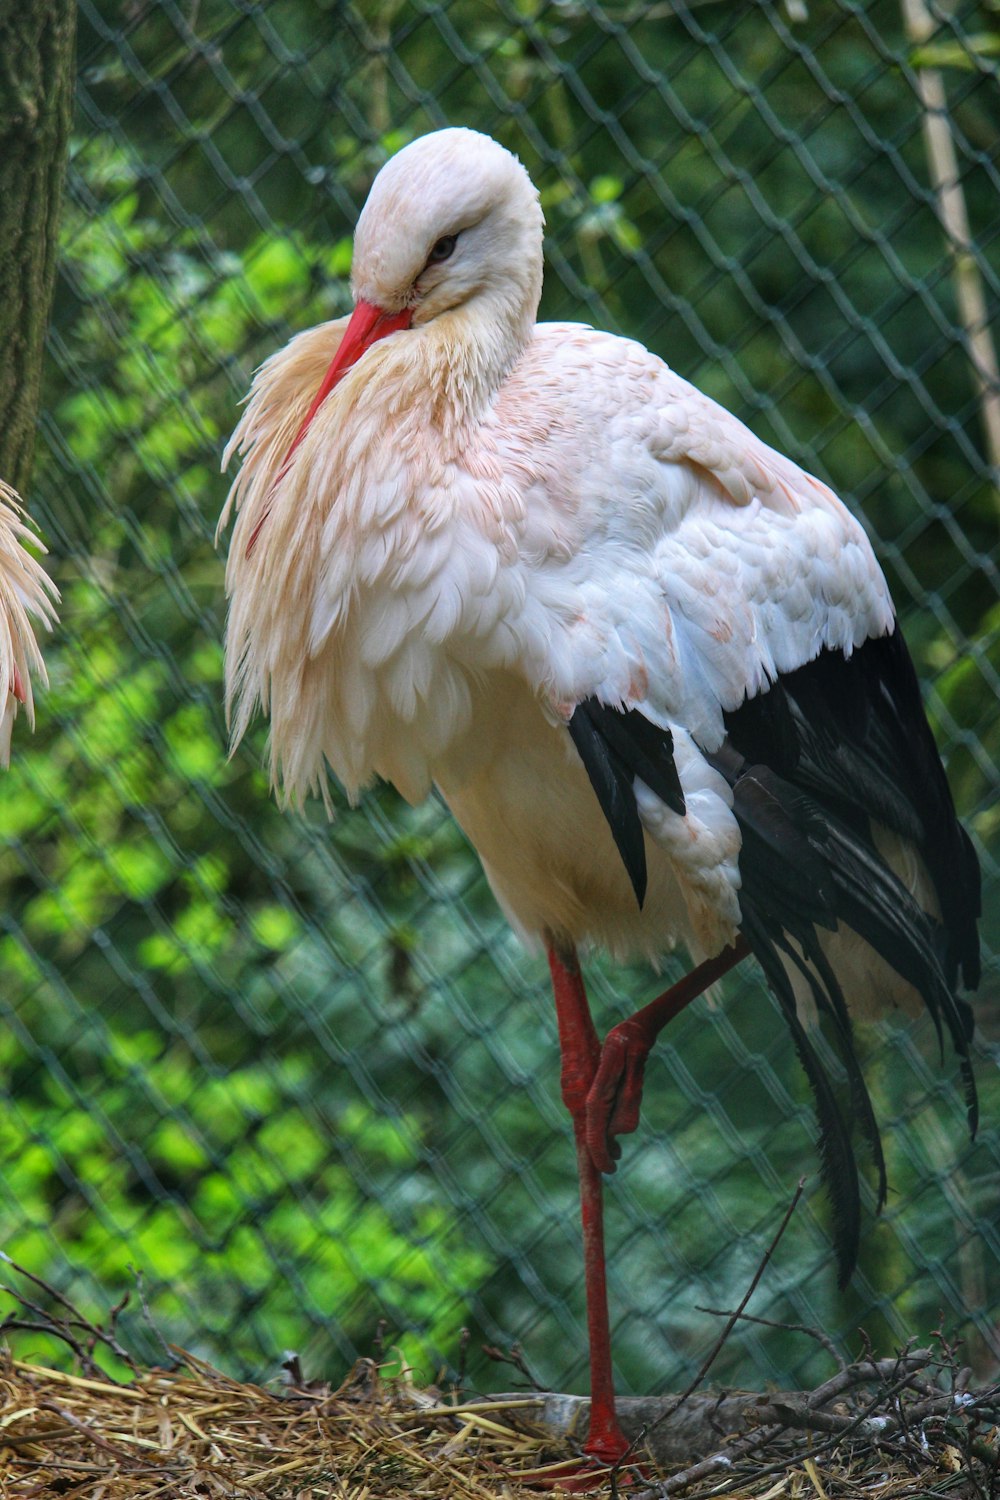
<point x="805" y="869"/>
<point x="837" y="1164"/>
<point x="824" y="982"/>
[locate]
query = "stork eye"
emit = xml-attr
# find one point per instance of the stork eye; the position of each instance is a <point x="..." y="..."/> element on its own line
<point x="442" y="249"/>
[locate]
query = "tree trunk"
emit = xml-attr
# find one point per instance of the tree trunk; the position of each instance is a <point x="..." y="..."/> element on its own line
<point x="36" y="103"/>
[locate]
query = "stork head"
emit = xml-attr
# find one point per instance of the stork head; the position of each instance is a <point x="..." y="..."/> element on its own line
<point x="452" y="223"/>
<point x="451" y="219"/>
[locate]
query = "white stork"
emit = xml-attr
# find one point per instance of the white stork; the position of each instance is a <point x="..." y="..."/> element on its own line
<point x="26" y="593"/>
<point x="651" y="664"/>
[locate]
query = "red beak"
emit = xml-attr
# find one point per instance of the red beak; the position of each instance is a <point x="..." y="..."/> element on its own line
<point x="368" y="324"/>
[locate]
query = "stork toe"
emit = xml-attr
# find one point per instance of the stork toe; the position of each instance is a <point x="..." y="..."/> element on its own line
<point x="616" y="1093"/>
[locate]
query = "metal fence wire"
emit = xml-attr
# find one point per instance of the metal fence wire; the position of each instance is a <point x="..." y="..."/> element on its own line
<point x="299" y="1075"/>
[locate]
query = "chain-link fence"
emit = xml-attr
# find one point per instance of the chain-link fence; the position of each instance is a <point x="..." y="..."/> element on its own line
<point x="301" y="1077"/>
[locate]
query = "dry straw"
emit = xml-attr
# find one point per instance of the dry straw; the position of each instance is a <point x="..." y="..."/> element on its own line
<point x="908" y="1426"/>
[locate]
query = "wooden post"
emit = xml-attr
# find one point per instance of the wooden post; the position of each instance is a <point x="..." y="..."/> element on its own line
<point x="946" y="182"/>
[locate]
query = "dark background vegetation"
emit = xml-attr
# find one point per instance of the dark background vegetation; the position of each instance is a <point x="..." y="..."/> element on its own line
<point x="300" y="1077"/>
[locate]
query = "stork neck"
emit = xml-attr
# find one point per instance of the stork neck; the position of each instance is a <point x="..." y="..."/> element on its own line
<point x="472" y="350"/>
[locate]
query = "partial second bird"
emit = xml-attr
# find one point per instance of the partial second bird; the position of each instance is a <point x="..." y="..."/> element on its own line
<point x="27" y="599"/>
<point x="651" y="664"/>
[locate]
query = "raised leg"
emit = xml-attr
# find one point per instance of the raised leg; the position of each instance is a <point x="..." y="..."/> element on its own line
<point x="616" y="1091"/>
<point x="602" y="1089"/>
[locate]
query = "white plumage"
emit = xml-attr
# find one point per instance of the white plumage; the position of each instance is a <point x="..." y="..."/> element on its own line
<point x="26" y="594"/>
<point x="651" y="663"/>
<point x="607" y="531"/>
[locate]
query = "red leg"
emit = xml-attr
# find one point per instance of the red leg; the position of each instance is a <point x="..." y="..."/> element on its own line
<point x="580" y="1053"/>
<point x="616" y="1092"/>
<point x="602" y="1089"/>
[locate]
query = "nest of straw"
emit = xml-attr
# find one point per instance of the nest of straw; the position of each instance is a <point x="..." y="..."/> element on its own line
<point x="194" y="1432"/>
<point x="909" y="1426"/>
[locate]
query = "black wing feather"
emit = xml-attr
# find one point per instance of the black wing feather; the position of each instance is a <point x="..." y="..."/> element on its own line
<point x="825" y="752"/>
<point x="866" y="749"/>
<point x="616" y="745"/>
<point x="863" y="752"/>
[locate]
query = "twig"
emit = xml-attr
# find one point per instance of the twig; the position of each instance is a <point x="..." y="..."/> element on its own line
<point x="75" y="1318"/>
<point x="112" y="1330"/>
<point x="130" y="1460"/>
<point x="14" y="1324"/>
<point x="807" y="1416"/>
<point x="716" y="1348"/>
<point x="57" y="1328"/>
<point x="869" y="1369"/>
<point x="150" y="1321"/>
<point x="515" y="1358"/>
<point x="813" y="1333"/>
<point x="463" y="1357"/>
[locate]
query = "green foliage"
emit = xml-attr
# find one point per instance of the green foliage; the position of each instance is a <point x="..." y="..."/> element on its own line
<point x="230" y="1190"/>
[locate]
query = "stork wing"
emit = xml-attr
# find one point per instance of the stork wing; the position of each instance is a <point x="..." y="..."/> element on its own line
<point x="675" y="562"/>
<point x="727" y="597"/>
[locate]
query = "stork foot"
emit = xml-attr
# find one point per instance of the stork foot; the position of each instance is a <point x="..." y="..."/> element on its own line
<point x="616" y="1092"/>
<point x="606" y="1447"/>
